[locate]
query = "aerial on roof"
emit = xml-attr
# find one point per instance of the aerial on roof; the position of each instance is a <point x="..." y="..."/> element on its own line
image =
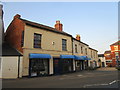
<point x="116" y="43"/>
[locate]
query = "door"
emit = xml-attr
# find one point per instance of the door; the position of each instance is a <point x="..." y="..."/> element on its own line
<point x="103" y="64"/>
<point x="56" y="64"/>
<point x="67" y="65"/>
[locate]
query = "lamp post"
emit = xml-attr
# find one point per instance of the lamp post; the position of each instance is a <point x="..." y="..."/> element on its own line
<point x="117" y="58"/>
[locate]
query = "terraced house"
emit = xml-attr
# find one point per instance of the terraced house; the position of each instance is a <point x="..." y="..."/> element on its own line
<point x="93" y="63"/>
<point x="80" y="51"/>
<point x="46" y="50"/>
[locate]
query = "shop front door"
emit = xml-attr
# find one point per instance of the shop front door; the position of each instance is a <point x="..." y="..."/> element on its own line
<point x="56" y="64"/>
<point x="67" y="65"/>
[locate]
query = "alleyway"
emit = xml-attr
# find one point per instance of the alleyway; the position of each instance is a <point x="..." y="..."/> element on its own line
<point x="102" y="78"/>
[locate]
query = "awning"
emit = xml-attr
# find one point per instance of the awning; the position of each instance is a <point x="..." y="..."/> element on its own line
<point x="86" y="58"/>
<point x="67" y="56"/>
<point x="35" y="55"/>
<point x="89" y="58"/>
<point x="78" y="57"/>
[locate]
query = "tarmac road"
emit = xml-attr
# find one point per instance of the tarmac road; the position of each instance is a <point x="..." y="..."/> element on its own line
<point x="100" y="78"/>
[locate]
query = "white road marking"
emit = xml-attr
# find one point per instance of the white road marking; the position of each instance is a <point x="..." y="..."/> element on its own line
<point x="101" y="84"/>
<point x="113" y="82"/>
<point x="79" y="75"/>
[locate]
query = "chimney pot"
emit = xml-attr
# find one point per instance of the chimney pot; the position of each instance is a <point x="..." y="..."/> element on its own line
<point x="58" y="25"/>
<point x="58" y="22"/>
<point x="78" y="37"/>
<point x="17" y="16"/>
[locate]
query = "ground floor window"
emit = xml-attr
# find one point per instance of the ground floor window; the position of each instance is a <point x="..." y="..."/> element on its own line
<point x="39" y="67"/>
<point x="62" y="65"/>
<point x="67" y="65"/>
<point x="78" y="65"/>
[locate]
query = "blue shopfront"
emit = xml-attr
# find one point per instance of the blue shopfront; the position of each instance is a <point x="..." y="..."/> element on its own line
<point x="81" y="62"/>
<point x="63" y="64"/>
<point x="39" y="64"/>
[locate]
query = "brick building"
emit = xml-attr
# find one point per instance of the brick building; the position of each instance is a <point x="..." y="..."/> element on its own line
<point x="108" y="58"/>
<point x="115" y="53"/>
<point x="46" y="50"/>
<point x="112" y="56"/>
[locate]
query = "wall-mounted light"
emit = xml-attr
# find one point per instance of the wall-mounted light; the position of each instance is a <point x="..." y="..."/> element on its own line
<point x="53" y="43"/>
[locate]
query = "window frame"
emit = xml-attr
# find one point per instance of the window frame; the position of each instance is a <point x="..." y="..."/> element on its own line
<point x="64" y="45"/>
<point x="22" y="39"/>
<point x="76" y="51"/>
<point x="37" y="41"/>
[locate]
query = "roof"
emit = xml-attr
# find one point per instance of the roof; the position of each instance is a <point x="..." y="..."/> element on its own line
<point x="107" y="52"/>
<point x="7" y="50"/>
<point x="45" y="27"/>
<point x="92" y="49"/>
<point x="80" y="41"/>
<point x="116" y="43"/>
<point x="100" y="55"/>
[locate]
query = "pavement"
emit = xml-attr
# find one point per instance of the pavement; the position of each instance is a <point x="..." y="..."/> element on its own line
<point x="100" y="78"/>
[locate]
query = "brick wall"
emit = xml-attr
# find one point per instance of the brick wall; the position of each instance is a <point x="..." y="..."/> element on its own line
<point x="14" y="33"/>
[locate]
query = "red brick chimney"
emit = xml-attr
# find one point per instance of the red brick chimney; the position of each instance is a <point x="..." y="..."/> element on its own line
<point x="17" y="16"/>
<point x="58" y="26"/>
<point x="78" y="37"/>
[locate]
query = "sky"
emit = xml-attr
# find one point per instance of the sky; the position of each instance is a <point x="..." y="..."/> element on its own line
<point x="95" y="22"/>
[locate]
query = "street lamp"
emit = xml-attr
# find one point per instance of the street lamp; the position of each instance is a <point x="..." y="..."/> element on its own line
<point x="117" y="58"/>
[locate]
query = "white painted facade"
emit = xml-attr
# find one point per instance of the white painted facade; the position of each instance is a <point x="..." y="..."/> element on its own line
<point x="9" y="67"/>
<point x="103" y="61"/>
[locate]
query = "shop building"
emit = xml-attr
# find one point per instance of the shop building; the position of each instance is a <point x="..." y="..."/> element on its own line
<point x="108" y="58"/>
<point x="80" y="51"/>
<point x="115" y="53"/>
<point x="93" y="63"/>
<point x="46" y="50"/>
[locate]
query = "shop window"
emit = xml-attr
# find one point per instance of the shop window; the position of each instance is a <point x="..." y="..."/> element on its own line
<point x="39" y="67"/>
<point x="37" y="40"/>
<point x="64" y="44"/>
<point x="78" y="64"/>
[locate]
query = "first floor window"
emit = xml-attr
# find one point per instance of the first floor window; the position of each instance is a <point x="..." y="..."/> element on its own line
<point x="37" y="40"/>
<point x="64" y="44"/>
<point x="22" y="39"/>
<point x="76" y="48"/>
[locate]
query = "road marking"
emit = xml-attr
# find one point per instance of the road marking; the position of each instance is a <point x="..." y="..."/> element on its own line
<point x="113" y="82"/>
<point x="79" y="75"/>
<point x="101" y="84"/>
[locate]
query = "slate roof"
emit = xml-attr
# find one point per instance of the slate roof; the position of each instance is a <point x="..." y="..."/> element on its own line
<point x="116" y="43"/>
<point x="100" y="55"/>
<point x="80" y="41"/>
<point x="7" y="50"/>
<point x="34" y="24"/>
<point x="107" y="52"/>
<point x="92" y="49"/>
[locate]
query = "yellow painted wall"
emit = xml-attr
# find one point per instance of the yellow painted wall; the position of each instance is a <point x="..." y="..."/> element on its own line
<point x="46" y="44"/>
<point x="79" y="45"/>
